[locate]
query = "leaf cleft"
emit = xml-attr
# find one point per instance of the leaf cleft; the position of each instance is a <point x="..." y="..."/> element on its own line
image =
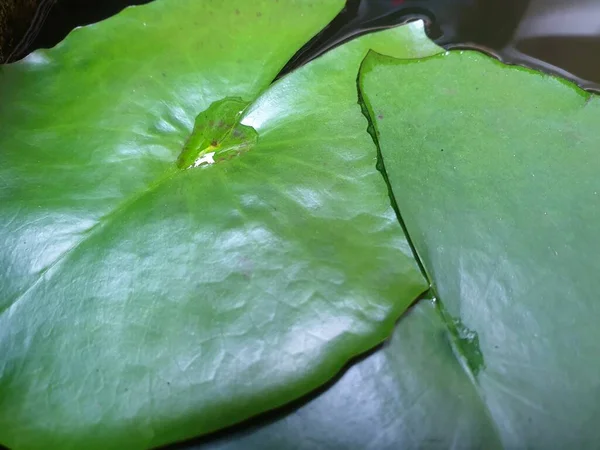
<point x="380" y="166"/>
<point x="218" y="134"/>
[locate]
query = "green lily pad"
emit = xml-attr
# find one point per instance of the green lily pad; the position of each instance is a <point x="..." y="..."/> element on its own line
<point x="145" y="301"/>
<point x="495" y="173"/>
<point x="100" y="117"/>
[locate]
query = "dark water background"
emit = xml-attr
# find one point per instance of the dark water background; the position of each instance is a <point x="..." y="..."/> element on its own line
<point x="557" y="36"/>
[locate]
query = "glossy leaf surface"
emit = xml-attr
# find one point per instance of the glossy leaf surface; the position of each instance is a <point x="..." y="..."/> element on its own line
<point x="99" y="118"/>
<point x="145" y="303"/>
<point x="411" y="393"/>
<point x="506" y="161"/>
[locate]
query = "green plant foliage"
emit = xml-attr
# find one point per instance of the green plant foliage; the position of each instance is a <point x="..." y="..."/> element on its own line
<point x="144" y="301"/>
<point x="412" y="393"/>
<point x="186" y="245"/>
<point x="506" y="161"/>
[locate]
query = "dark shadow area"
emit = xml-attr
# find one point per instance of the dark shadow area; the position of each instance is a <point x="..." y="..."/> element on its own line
<point x="572" y="52"/>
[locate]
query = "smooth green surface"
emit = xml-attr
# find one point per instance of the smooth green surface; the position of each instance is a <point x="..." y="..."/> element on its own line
<point x="412" y="393"/>
<point x="495" y="173"/>
<point x="96" y="120"/>
<point x="143" y="304"/>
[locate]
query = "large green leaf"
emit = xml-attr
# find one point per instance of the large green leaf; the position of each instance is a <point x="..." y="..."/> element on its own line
<point x="96" y="120"/>
<point x="495" y="173"/>
<point x="144" y="301"/>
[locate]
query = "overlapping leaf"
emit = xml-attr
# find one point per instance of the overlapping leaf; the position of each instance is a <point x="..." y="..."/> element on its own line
<point x="507" y="162"/>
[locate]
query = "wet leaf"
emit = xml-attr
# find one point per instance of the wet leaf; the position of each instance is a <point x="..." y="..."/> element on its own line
<point x="506" y="162"/>
<point x="142" y="303"/>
